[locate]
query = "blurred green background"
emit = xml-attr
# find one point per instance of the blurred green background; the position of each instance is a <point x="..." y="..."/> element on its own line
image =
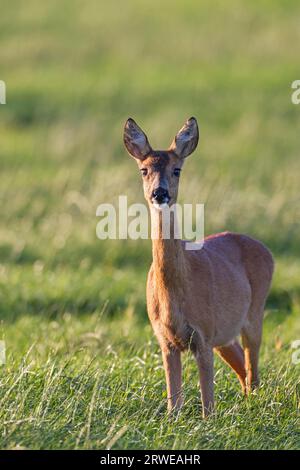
<point x="74" y="72"/>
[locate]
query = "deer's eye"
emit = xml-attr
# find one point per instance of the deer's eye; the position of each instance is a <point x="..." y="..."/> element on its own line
<point x="144" y="171"/>
<point x="177" y="172"/>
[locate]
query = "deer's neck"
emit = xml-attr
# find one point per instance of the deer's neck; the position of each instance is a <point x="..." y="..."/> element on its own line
<point x="168" y="255"/>
<point x="170" y="283"/>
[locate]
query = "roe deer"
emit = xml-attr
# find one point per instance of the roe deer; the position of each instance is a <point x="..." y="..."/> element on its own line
<point x="200" y="299"/>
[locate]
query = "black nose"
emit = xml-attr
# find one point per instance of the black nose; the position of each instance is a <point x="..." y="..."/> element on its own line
<point x="160" y="195"/>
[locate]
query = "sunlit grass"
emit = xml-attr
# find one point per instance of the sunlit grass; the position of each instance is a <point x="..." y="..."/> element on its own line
<point x="86" y="380"/>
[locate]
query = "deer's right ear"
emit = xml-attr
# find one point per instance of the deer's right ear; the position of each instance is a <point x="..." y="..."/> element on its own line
<point x="135" y="140"/>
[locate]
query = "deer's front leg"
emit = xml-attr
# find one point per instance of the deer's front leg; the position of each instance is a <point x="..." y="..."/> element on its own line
<point x="205" y="361"/>
<point x="172" y="365"/>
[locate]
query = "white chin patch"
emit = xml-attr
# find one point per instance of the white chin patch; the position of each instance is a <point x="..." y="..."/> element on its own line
<point x="160" y="207"/>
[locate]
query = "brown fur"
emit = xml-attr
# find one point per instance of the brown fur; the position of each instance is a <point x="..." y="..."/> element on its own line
<point x="201" y="299"/>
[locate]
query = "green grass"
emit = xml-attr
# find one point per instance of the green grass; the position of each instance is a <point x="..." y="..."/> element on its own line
<point x="83" y="369"/>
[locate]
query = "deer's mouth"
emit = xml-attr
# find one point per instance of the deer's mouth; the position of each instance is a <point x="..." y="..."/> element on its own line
<point x="160" y="198"/>
<point x="162" y="203"/>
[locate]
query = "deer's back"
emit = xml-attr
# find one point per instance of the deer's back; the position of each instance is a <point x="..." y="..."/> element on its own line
<point x="244" y="253"/>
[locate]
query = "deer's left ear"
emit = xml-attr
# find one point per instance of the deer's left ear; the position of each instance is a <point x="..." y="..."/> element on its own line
<point x="187" y="139"/>
<point x="135" y="140"/>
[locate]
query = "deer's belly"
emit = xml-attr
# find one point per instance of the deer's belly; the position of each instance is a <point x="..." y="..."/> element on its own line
<point x="231" y="311"/>
<point x="218" y="309"/>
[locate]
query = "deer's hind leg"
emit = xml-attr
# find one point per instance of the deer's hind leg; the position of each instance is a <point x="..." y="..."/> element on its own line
<point x="233" y="355"/>
<point x="259" y="266"/>
<point x="251" y="342"/>
<point x="251" y="339"/>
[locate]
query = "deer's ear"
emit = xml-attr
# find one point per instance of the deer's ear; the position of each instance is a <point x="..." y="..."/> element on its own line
<point x="135" y="140"/>
<point x="186" y="140"/>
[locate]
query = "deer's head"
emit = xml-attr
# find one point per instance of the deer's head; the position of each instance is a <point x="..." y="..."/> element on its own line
<point x="160" y="169"/>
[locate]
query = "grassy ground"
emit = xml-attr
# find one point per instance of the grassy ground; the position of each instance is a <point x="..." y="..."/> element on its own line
<point x="83" y="369"/>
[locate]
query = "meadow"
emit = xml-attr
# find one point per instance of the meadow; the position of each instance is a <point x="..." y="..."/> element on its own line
<point x="83" y="370"/>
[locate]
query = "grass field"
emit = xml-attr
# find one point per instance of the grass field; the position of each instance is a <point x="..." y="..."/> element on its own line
<point x="83" y="369"/>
